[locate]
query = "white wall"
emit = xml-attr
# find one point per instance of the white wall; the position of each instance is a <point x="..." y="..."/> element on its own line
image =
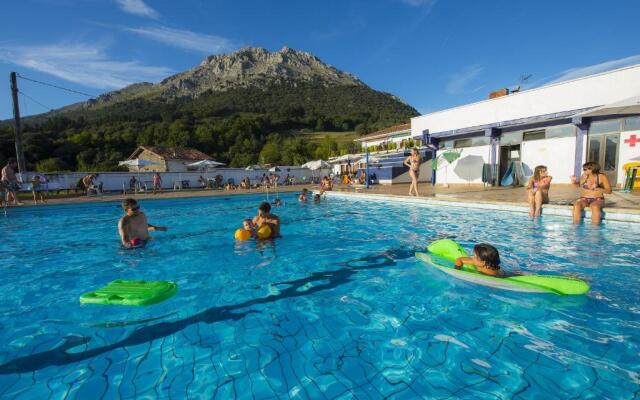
<point x="113" y="181"/>
<point x="592" y="91"/>
<point x="557" y="154"/>
<point x="627" y="153"/>
<point x="467" y="168"/>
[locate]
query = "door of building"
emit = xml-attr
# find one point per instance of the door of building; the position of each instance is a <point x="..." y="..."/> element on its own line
<point x="508" y="154"/>
<point x="603" y="149"/>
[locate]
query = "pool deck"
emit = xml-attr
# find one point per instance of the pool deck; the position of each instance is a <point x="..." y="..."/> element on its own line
<point x="623" y="207"/>
<point x="620" y="206"/>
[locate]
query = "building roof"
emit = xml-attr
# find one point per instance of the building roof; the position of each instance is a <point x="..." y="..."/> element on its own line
<point x="555" y="101"/>
<point x="383" y="133"/>
<point x="172" y="153"/>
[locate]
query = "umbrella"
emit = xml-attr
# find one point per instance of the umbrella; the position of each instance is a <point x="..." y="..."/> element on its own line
<point x="138" y="163"/>
<point x="317" y="164"/>
<point x="252" y="167"/>
<point x="274" y="169"/>
<point x="205" y="164"/>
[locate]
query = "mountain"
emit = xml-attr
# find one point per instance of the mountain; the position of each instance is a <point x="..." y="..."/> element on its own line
<point x="229" y="103"/>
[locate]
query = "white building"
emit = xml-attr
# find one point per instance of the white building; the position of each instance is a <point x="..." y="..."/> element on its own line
<point x="560" y="125"/>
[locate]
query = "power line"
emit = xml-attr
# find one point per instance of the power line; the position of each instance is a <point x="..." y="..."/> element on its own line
<point x="56" y="86"/>
<point x="34" y="100"/>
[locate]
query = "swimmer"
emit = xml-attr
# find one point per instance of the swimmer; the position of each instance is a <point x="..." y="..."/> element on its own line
<point x="277" y="202"/>
<point x="265" y="217"/>
<point x="485" y="258"/>
<point x="133" y="226"/>
<point x="303" y="196"/>
<point x="316" y="198"/>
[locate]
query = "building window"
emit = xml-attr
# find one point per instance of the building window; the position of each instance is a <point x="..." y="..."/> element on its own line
<point x="461" y="143"/>
<point x="445" y="144"/>
<point x="533" y="135"/>
<point x="632" y="124"/>
<point x="471" y="142"/>
<point x="560" y="131"/>
<point x="601" y="127"/>
<point x="511" y="138"/>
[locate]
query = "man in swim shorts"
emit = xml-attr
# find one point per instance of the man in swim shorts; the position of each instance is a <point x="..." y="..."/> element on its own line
<point x="133" y="226"/>
<point x="265" y="217"/>
<point x="10" y="181"/>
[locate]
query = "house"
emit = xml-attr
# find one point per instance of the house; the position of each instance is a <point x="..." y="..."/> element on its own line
<point x="394" y="137"/>
<point x="561" y="125"/>
<point x="167" y="159"/>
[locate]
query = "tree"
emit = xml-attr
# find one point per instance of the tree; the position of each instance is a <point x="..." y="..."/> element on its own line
<point x="51" y="165"/>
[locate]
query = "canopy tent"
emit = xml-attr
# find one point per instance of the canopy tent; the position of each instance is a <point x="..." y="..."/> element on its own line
<point x="274" y="169"/>
<point x="316" y="165"/>
<point x="623" y="107"/>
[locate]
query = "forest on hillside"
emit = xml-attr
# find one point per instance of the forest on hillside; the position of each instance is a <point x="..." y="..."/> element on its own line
<point x="238" y="127"/>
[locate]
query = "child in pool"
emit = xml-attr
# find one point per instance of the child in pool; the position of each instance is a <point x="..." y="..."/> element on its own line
<point x="247" y="225"/>
<point x="485" y="258"/>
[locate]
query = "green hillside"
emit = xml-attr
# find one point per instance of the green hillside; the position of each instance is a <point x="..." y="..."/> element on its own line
<point x="240" y="126"/>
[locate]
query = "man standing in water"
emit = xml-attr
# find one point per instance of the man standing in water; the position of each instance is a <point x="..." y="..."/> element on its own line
<point x="265" y="217"/>
<point x="133" y="226"/>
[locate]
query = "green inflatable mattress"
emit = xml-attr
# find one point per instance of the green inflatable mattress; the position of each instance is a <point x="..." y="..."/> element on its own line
<point x="442" y="253"/>
<point x="131" y="293"/>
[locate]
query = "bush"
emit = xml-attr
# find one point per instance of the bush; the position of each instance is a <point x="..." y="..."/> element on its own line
<point x="51" y="165"/>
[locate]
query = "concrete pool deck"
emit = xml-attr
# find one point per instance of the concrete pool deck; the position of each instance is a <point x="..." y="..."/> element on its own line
<point x="623" y="207"/>
<point x="620" y="206"/>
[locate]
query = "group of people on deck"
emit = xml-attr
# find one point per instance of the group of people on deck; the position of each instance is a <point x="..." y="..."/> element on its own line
<point x="593" y="186"/>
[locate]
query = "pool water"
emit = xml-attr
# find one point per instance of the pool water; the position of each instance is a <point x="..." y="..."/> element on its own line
<point x="337" y="308"/>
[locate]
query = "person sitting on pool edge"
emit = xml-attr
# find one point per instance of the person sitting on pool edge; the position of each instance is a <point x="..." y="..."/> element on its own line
<point x="538" y="190"/>
<point x="265" y="217"/>
<point x="593" y="186"/>
<point x="303" y="195"/>
<point x="485" y="258"/>
<point x="133" y="226"/>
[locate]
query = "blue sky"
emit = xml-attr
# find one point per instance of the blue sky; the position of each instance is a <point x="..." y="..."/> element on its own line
<point x="433" y="54"/>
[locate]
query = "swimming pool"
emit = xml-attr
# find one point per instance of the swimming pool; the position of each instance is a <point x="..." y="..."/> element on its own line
<point x="337" y="308"/>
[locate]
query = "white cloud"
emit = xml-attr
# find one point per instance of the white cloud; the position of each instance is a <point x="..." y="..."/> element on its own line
<point x="83" y="64"/>
<point x="579" y="72"/>
<point x="202" y="43"/>
<point x="138" y="7"/>
<point x="460" y="81"/>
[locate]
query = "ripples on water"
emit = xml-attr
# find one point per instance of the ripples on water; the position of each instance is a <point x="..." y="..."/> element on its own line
<point x="337" y="307"/>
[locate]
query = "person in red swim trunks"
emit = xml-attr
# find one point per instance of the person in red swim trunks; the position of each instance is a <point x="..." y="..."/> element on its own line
<point x="133" y="226"/>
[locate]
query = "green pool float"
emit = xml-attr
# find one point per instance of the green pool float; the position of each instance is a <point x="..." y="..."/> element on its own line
<point x="131" y="293"/>
<point x="442" y="253"/>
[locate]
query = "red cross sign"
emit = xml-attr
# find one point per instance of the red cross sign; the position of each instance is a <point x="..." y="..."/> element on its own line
<point x="632" y="140"/>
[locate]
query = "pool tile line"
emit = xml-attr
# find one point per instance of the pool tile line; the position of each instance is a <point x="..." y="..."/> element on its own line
<point x="612" y="214"/>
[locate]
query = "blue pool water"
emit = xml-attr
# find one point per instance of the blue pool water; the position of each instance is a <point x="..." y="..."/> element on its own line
<point x="337" y="308"/>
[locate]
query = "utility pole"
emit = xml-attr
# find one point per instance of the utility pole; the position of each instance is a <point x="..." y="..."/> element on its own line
<point x="16" y="117"/>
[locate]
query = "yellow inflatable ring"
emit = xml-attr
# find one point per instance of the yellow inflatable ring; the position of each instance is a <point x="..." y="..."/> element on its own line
<point x="242" y="234"/>
<point x="264" y="232"/>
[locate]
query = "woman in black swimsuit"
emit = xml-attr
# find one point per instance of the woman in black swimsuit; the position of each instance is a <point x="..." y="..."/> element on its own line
<point x="593" y="185"/>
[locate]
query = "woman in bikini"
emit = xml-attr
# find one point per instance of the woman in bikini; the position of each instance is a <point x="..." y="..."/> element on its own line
<point x="538" y="190"/>
<point x="413" y="162"/>
<point x="593" y="185"/>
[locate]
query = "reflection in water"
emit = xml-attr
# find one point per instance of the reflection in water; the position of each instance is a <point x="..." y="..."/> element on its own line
<point x="314" y="283"/>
